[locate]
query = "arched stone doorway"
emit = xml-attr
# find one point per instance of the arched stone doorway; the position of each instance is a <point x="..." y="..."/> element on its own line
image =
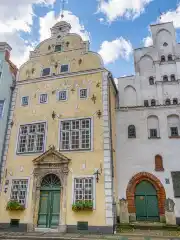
<point x="131" y="190"/>
<point x="49" y="204"/>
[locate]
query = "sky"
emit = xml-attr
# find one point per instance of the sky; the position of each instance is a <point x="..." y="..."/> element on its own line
<point x="113" y="27"/>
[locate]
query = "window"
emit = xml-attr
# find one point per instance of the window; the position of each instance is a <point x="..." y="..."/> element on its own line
<point x="83" y="189"/>
<point x="64" y="68"/>
<point x="173" y="78"/>
<point x="168" y="101"/>
<point x="151" y="81"/>
<point x="176" y="183"/>
<point x="0" y="74"/>
<point x="153" y="126"/>
<point x="62" y="95"/>
<point x="46" y="72"/>
<point x="175" y="101"/>
<point x="131" y="131"/>
<point x="165" y="44"/>
<point x="158" y="163"/>
<point x="146" y="103"/>
<point x="19" y="190"/>
<point x="165" y="78"/>
<point x="153" y="102"/>
<point x="25" y="101"/>
<point x="83" y="93"/>
<point x="1" y="108"/>
<point x="31" y="138"/>
<point x="170" y="58"/>
<point x="163" y="59"/>
<point x="43" y="98"/>
<point x="58" y="48"/>
<point x="75" y="134"/>
<point x="174" y="131"/>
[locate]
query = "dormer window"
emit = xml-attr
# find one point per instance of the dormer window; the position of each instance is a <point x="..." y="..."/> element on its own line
<point x="165" y="78"/>
<point x="58" y="48"/>
<point x="46" y="72"/>
<point x="170" y="58"/>
<point x="151" y="81"/>
<point x="173" y="78"/>
<point x="64" y="68"/>
<point x="163" y="59"/>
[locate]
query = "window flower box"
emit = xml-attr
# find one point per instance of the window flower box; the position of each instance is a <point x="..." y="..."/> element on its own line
<point x="82" y="206"/>
<point x="14" y="205"/>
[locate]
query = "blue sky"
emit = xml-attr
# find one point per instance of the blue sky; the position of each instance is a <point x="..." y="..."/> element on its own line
<point x="114" y="27"/>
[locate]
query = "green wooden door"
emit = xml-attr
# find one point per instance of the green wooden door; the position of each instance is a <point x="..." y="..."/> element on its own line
<point x="146" y="202"/>
<point x="49" y="206"/>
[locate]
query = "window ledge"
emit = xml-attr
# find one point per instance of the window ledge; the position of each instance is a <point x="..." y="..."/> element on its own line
<point x="174" y="136"/>
<point x="154" y="137"/>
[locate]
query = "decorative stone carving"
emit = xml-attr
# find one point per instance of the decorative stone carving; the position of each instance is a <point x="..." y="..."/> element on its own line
<point x="169" y="212"/>
<point x="124" y="215"/>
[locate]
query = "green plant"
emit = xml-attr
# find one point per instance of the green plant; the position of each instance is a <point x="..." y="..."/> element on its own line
<point x="14" y="205"/>
<point x="82" y="205"/>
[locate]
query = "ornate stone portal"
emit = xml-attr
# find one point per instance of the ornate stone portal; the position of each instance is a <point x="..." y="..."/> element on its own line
<point x="50" y="162"/>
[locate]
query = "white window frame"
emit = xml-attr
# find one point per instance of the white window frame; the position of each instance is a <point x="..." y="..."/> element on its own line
<point x="94" y="187"/>
<point x="80" y="150"/>
<point x="63" y="65"/>
<point x="3" y="107"/>
<point x="40" y="98"/>
<point x="84" y="98"/>
<point x="22" y="101"/>
<point x="17" y="139"/>
<point x="28" y="188"/>
<point x="62" y="100"/>
<point x="49" y="72"/>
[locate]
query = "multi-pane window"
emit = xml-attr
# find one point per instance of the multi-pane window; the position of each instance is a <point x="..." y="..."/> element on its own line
<point x="1" y="108"/>
<point x="62" y="95"/>
<point x="83" y="189"/>
<point x="131" y="131"/>
<point x="46" y="72"/>
<point x="64" y="68"/>
<point x="153" y="133"/>
<point x="25" y="101"/>
<point x="31" y="138"/>
<point x="19" y="190"/>
<point x="174" y="131"/>
<point x="58" y="48"/>
<point x="83" y="93"/>
<point x="43" y="98"/>
<point x="75" y="134"/>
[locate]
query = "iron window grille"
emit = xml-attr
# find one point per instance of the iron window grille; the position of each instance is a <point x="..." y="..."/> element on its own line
<point x="19" y="190"/>
<point x="131" y="131"/>
<point x="25" y="101"/>
<point x="75" y="134"/>
<point x="1" y="108"/>
<point x="174" y="131"/>
<point x="83" y="93"/>
<point x="83" y="189"/>
<point x="153" y="133"/>
<point x="43" y="98"/>
<point x="46" y="72"/>
<point x="31" y="138"/>
<point x="62" y="96"/>
<point x="64" y="68"/>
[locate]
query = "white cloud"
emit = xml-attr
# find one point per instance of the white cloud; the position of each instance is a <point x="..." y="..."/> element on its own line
<point x="129" y="9"/>
<point x="101" y="20"/>
<point x="171" y="16"/>
<point x="148" y="41"/>
<point x="111" y="51"/>
<point x="49" y="20"/>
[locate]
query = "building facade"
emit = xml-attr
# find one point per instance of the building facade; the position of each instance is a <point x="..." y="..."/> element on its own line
<point x="148" y="129"/>
<point x="60" y="159"/>
<point x="7" y="81"/>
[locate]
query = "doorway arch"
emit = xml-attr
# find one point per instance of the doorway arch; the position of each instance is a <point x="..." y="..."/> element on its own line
<point x="49" y="204"/>
<point x="131" y="190"/>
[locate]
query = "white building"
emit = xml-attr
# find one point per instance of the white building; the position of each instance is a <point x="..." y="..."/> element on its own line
<point x="148" y="128"/>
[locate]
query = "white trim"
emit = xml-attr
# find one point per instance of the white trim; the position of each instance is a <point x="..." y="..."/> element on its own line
<point x="40" y="98"/>
<point x="50" y="72"/>
<point x="19" y="178"/>
<point x="22" y="102"/>
<point x="94" y="187"/>
<point x="57" y="95"/>
<point x="45" y="138"/>
<point x="79" y="96"/>
<point x="91" y="140"/>
<point x="64" y="65"/>
<point x="4" y="103"/>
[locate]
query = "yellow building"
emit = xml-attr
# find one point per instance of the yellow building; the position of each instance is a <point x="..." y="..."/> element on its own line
<point x="58" y="164"/>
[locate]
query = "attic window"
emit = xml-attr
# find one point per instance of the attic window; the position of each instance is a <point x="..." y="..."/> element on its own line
<point x="58" y="48"/>
<point x="58" y="36"/>
<point x="165" y="44"/>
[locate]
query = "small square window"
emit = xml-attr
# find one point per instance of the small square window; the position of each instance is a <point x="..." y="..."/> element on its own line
<point x="64" y="68"/>
<point x="153" y="133"/>
<point x="83" y="93"/>
<point x="174" y="131"/>
<point x="46" y="72"/>
<point x="62" y="95"/>
<point x="25" y="101"/>
<point x="43" y="98"/>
